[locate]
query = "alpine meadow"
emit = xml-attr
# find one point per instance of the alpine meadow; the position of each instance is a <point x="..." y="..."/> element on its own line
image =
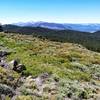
<point x="49" y="50"/>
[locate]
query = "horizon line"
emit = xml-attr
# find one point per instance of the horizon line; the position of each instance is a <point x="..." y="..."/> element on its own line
<point x="50" y="22"/>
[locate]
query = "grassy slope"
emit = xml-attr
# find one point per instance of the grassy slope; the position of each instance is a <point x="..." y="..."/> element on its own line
<point x="73" y="64"/>
<point x="53" y="57"/>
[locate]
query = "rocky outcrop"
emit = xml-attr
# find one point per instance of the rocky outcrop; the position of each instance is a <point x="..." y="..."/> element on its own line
<point x="3" y="55"/>
<point x="42" y="86"/>
<point x="13" y="65"/>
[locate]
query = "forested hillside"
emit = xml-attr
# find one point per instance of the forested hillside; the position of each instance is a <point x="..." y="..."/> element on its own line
<point x="89" y="40"/>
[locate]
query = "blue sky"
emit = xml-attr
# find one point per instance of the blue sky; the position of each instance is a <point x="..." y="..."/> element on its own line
<point x="61" y="11"/>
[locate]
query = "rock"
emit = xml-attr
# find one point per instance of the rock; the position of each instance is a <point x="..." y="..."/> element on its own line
<point x="45" y="75"/>
<point x="38" y="93"/>
<point x="29" y="82"/>
<point x="40" y="79"/>
<point x="3" y="64"/>
<point x="10" y="78"/>
<point x="21" y="80"/>
<point x="4" y="53"/>
<point x="13" y="64"/>
<point x="19" y="68"/>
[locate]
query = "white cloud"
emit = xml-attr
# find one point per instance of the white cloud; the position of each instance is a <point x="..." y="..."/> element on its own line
<point x="62" y="20"/>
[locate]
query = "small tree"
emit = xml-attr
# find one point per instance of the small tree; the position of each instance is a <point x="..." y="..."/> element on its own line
<point x="1" y="29"/>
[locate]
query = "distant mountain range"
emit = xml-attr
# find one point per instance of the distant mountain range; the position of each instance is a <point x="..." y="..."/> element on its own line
<point x="62" y="26"/>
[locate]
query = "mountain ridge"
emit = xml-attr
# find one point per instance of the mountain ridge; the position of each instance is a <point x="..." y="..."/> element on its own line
<point x="93" y="27"/>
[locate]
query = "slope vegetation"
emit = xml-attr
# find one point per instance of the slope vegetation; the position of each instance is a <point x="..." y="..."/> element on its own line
<point x="54" y="70"/>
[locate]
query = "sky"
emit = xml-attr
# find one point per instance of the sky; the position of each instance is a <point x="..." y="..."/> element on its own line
<point x="60" y="11"/>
